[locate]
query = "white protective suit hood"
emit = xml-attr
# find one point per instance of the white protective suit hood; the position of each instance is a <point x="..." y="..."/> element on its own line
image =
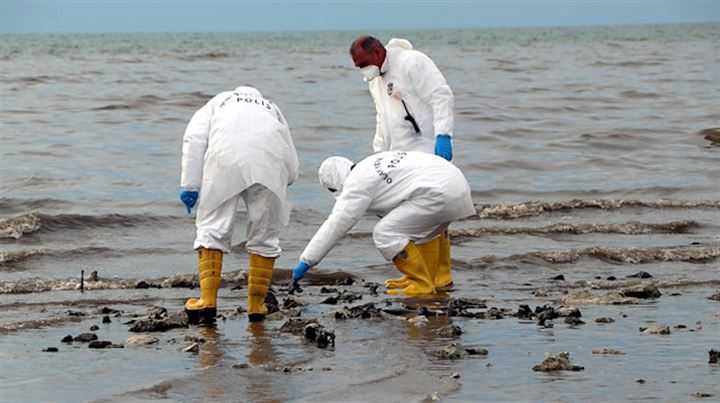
<point x="333" y="171"/>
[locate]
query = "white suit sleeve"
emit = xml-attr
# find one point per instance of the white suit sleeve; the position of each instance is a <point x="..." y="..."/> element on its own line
<point x="195" y="143"/>
<point x="431" y="87"/>
<point x="348" y="209"/>
<point x="291" y="160"/>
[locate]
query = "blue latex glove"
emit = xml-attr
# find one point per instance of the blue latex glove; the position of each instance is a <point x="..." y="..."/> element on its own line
<point x="189" y="198"/>
<point x="443" y="146"/>
<point x="300" y="270"/>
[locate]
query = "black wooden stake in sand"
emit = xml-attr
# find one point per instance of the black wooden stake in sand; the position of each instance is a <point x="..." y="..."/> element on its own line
<point x="82" y="280"/>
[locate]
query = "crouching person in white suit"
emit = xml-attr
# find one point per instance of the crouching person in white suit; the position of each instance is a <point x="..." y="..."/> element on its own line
<point x="416" y="194"/>
<point x="237" y="148"/>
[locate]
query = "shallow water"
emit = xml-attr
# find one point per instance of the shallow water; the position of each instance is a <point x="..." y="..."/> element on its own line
<point x="583" y="148"/>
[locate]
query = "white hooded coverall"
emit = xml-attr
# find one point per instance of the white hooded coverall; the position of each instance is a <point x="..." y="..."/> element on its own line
<point x="409" y="75"/>
<point x="238" y="146"/>
<point x="417" y="194"/>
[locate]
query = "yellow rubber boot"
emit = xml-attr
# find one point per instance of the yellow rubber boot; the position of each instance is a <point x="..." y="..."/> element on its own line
<point x="410" y="263"/>
<point x="429" y="252"/>
<point x="259" y="278"/>
<point x="203" y="310"/>
<point x="443" y="278"/>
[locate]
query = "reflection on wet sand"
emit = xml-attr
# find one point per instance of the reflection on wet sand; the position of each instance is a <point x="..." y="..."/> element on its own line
<point x="262" y="353"/>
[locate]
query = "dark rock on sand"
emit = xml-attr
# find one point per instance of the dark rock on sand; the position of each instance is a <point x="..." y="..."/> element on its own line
<point x="75" y="313"/>
<point x="100" y="344"/>
<point x="574" y="321"/>
<point x="94" y="328"/>
<point x="545" y="313"/>
<point x="328" y="290"/>
<point x="569" y="311"/>
<point x="454" y="351"/>
<point x="106" y="319"/>
<point x="604" y="319"/>
<point x="296" y="325"/>
<point x="476" y="351"/>
<point x="292" y="301"/>
<point x="659" y="329"/>
<point x="558" y="362"/>
<point x="524" y="312"/>
<point x="317" y="334"/>
<point x="85" y="337"/>
<point x="243" y="365"/>
<point x="640" y="274"/>
<point x="175" y="320"/>
<point x="449" y="331"/>
<point x="67" y="339"/>
<point x="365" y="311"/>
<point x="714" y="356"/>
<point x="559" y="277"/>
<point x="50" y="350"/>
<point x="611" y="278"/>
<point x="645" y="290"/>
<point x="715" y="297"/>
<point x="492" y="313"/>
<point x="332" y="300"/>
<point x="712" y="135"/>
<point x="701" y="395"/>
<point x="142" y="284"/>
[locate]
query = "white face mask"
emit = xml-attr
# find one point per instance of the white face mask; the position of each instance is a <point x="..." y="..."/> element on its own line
<point x="370" y="72"/>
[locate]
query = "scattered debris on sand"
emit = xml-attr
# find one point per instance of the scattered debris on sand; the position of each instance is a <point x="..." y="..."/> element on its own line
<point x="365" y="311"/>
<point x="317" y="334"/>
<point x="714" y="356"/>
<point x="604" y="319"/>
<point x="658" y="329"/>
<point x="608" y="351"/>
<point x="296" y="325"/>
<point x="558" y="362"/>
<point x="158" y="320"/>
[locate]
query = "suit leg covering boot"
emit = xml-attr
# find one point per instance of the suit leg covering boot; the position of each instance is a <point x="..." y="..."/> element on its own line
<point x="443" y="278"/>
<point x="410" y="263"/>
<point x="260" y="276"/>
<point x="203" y="310"/>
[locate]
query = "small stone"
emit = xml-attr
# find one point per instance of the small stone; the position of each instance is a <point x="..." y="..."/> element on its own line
<point x="100" y="344"/>
<point x="244" y="365"/>
<point x="453" y="351"/>
<point x="489" y="365"/>
<point x="85" y="337"/>
<point x="604" y="319"/>
<point x="569" y="311"/>
<point x="75" y="313"/>
<point x="296" y="325"/>
<point x="476" y="351"/>
<point x="623" y="314"/>
<point x="558" y="362"/>
<point x="524" y="312"/>
<point x="680" y="326"/>
<point x="714" y="356"/>
<point x="326" y="290"/>
<point x="659" y="329"/>
<point x="141" y="340"/>
<point x="640" y="381"/>
<point x="50" y="350"/>
<point x="106" y="319"/>
<point x="608" y="351"/>
<point x="330" y="300"/>
<point x="67" y="339"/>
<point x="448" y="331"/>
<point x="193" y="348"/>
<point x="574" y="321"/>
<point x="292" y="301"/>
<point x="435" y="397"/>
<point x="559" y="277"/>
<point x="194" y="339"/>
<point x="94" y="328"/>
<point x="611" y="278"/>
<point x="642" y="291"/>
<point x="641" y="274"/>
<point x="698" y="324"/>
<point x="326" y="369"/>
<point x="106" y="310"/>
<point x="455" y="375"/>
<point x="715" y="297"/>
<point x="287" y="369"/>
<point x="702" y="395"/>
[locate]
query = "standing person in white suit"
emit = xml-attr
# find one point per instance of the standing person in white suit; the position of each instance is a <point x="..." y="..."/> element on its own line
<point x="416" y="194"/>
<point x="414" y="111"/>
<point x="237" y="148"/>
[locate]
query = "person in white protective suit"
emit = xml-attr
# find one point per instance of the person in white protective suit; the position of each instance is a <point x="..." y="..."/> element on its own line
<point x="237" y="148"/>
<point x="413" y="103"/>
<point x="416" y="194"/>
